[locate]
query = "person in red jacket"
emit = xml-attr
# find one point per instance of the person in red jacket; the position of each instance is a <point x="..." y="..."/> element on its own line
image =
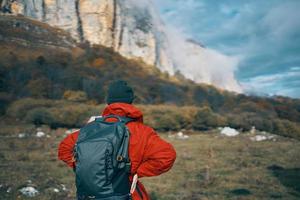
<point x="149" y="154"/>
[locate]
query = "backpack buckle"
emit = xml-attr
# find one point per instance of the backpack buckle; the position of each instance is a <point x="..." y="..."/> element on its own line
<point x="120" y="158"/>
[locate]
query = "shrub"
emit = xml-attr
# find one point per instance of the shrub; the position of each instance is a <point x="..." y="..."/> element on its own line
<point x="282" y="127"/>
<point x="164" y="119"/>
<point x="39" y="116"/>
<point x="53" y="113"/>
<point x="246" y="120"/>
<point x="239" y="121"/>
<point x="40" y="60"/>
<point x="77" y="96"/>
<point x="72" y="115"/>
<point x="62" y="113"/>
<point x="5" y="98"/>
<point x="75" y="115"/>
<point x="98" y="62"/>
<point x="255" y="108"/>
<point x="18" y="109"/>
<point x="40" y="88"/>
<point x="286" y="128"/>
<point x="169" y="117"/>
<point x="206" y="119"/>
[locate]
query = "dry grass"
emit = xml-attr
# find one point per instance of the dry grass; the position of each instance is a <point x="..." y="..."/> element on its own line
<point x="208" y="166"/>
<point x="211" y="167"/>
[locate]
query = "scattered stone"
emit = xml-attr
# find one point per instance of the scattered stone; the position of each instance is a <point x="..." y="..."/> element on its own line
<point x="8" y="190"/>
<point x="40" y="134"/>
<point x="63" y="187"/>
<point x="181" y="136"/>
<point x="5" y="188"/>
<point x="21" y="135"/>
<point x="56" y="190"/>
<point x="29" y="191"/>
<point x="259" y="138"/>
<point x="69" y="131"/>
<point x="231" y="132"/>
<point x="253" y="130"/>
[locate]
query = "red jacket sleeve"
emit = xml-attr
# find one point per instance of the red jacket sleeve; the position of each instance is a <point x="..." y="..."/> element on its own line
<point x="159" y="156"/>
<point x="65" y="149"/>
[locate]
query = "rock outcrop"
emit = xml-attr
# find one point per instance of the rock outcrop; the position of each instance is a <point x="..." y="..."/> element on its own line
<point x="126" y="27"/>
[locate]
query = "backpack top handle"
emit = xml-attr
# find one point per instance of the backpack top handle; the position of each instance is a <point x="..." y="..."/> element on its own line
<point x="112" y="116"/>
<point x="119" y="118"/>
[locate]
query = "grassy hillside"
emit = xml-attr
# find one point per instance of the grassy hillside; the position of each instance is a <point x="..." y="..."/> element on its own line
<point x="44" y="64"/>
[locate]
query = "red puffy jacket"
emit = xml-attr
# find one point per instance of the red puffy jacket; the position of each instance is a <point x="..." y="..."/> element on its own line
<point x="149" y="154"/>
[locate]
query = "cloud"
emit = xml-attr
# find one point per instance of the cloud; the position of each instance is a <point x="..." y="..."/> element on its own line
<point x="283" y="21"/>
<point x="286" y="83"/>
<point x="264" y="35"/>
<point x="200" y="64"/>
<point x="296" y="68"/>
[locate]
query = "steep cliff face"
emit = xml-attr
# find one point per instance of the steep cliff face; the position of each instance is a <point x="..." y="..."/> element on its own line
<point x="120" y="24"/>
<point x="132" y="28"/>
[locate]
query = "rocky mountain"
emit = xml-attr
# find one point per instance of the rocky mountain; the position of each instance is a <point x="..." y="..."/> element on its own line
<point x="132" y="28"/>
<point x="121" y="25"/>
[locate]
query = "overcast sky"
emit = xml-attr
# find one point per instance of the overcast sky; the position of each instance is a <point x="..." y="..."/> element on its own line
<point x="265" y="35"/>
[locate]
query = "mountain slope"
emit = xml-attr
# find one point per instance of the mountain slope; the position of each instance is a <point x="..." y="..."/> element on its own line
<point x="46" y="54"/>
<point x="46" y="63"/>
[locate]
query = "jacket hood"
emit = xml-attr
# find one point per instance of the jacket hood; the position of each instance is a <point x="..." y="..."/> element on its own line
<point x="123" y="109"/>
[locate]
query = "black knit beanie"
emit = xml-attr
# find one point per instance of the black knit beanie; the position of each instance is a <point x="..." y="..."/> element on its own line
<point x="119" y="91"/>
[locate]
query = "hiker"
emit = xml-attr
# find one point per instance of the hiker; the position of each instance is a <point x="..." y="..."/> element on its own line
<point x="149" y="155"/>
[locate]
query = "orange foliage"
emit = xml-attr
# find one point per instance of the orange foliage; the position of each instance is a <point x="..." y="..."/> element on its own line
<point x="98" y="62"/>
<point x="77" y="52"/>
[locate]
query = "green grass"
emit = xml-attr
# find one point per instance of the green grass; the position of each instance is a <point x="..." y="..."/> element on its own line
<point x="208" y="166"/>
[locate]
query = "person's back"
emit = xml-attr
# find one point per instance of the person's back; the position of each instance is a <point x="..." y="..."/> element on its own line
<point x="148" y="153"/>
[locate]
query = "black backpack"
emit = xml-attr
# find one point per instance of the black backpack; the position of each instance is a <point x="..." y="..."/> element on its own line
<point x="102" y="161"/>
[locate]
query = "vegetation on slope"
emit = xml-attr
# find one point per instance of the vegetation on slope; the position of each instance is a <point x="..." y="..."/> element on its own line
<point x="45" y="64"/>
<point x="64" y="113"/>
